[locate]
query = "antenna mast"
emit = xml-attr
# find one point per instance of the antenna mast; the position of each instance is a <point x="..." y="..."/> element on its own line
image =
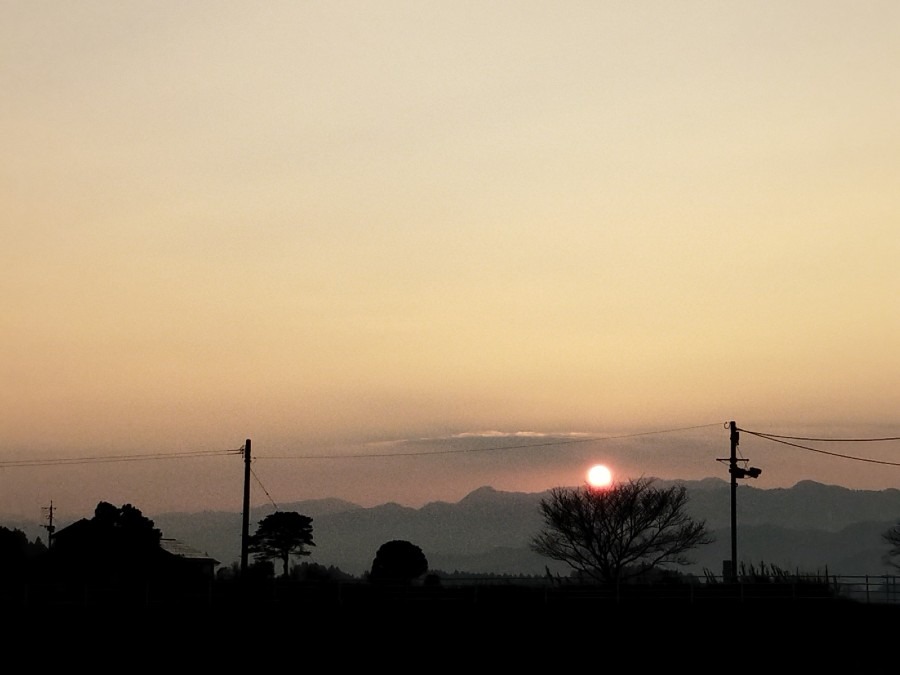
<point x="50" y="527"/>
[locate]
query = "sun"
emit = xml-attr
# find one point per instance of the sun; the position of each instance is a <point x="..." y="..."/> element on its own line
<point x="599" y="476"/>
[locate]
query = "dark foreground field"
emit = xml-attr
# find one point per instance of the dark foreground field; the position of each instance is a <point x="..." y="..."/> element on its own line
<point x="338" y="627"/>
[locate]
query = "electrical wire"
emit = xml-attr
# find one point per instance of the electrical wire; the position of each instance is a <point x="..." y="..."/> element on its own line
<point x="10" y="464"/>
<point x="830" y="440"/>
<point x="781" y="439"/>
<point x="263" y="488"/>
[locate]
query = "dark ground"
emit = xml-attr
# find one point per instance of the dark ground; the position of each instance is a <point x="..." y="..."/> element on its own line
<point x="508" y="632"/>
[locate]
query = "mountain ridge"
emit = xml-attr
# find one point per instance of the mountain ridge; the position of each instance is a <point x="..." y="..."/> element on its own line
<point x="811" y="525"/>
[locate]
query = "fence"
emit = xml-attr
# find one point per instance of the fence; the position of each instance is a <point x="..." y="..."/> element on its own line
<point x="485" y="591"/>
<point x="883" y="590"/>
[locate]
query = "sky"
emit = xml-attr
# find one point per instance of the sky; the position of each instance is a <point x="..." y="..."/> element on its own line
<point x="349" y="231"/>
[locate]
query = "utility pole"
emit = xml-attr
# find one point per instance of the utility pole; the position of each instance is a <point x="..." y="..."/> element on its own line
<point x="245" y="524"/>
<point x="50" y="527"/>
<point x="730" y="566"/>
<point x="732" y="469"/>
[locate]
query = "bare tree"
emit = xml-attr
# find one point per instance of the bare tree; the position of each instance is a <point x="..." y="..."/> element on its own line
<point x="892" y="538"/>
<point x="615" y="533"/>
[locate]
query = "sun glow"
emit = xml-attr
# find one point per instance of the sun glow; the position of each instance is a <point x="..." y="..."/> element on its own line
<point x="599" y="476"/>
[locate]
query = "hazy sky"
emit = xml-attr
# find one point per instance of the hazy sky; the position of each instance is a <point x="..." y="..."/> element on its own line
<point x="325" y="226"/>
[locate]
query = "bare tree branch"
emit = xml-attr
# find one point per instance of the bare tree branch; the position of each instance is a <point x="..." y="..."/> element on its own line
<point x="611" y="534"/>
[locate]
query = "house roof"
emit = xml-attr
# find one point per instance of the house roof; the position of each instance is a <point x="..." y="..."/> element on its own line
<point x="181" y="549"/>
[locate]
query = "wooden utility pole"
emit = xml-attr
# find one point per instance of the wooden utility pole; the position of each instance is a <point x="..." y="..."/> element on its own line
<point x="245" y="524"/>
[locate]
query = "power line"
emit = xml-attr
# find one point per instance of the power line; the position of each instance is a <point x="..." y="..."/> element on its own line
<point x="524" y="446"/>
<point x="263" y="488"/>
<point x="830" y="440"/>
<point x="9" y="464"/>
<point x="780" y="439"/>
<point x="497" y="448"/>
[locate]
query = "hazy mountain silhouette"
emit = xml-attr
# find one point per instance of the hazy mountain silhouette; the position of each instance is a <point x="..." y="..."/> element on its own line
<point x="807" y="505"/>
<point x="808" y="528"/>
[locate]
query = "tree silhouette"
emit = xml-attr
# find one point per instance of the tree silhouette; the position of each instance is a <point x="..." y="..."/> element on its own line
<point x="892" y="538"/>
<point x="125" y="528"/>
<point x="16" y="551"/>
<point x="281" y="535"/>
<point x="117" y="545"/>
<point x="398" y="561"/>
<point x="619" y="532"/>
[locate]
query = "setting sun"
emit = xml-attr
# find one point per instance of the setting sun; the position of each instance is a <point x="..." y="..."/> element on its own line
<point x="599" y="476"/>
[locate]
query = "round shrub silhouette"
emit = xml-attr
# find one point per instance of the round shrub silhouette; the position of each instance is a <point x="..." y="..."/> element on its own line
<point x="398" y="561"/>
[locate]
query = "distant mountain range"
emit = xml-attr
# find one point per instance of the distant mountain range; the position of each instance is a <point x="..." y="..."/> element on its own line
<point x="810" y="528"/>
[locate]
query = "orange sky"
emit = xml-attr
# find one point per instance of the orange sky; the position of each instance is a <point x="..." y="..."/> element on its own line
<point x="327" y="225"/>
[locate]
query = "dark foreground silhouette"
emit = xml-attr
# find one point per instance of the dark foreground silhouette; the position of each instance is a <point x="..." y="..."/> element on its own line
<point x="276" y="623"/>
<point x="107" y="595"/>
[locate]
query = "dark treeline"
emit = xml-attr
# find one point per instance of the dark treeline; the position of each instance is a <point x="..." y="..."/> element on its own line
<point x="113" y="588"/>
<point x="117" y="559"/>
